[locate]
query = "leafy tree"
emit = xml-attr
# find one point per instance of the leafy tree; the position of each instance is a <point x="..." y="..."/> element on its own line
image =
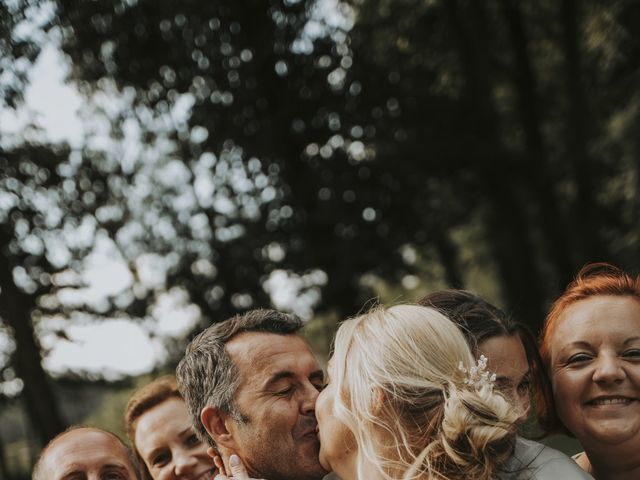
<point x="448" y="99"/>
<point x="339" y="143"/>
<point x="21" y="252"/>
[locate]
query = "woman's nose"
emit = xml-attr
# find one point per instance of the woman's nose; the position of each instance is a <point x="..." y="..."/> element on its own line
<point x="522" y="404"/>
<point x="608" y="369"/>
<point x="184" y="463"/>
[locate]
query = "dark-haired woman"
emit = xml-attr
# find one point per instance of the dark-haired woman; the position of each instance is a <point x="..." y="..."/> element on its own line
<point x="513" y="356"/>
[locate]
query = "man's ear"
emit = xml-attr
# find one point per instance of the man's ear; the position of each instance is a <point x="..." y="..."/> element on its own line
<point x="215" y="423"/>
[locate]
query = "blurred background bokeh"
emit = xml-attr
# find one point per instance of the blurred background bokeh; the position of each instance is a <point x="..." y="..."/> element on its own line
<point x="165" y="164"/>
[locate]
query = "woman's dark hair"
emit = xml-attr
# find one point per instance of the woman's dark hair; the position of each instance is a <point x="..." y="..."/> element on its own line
<point x="479" y="321"/>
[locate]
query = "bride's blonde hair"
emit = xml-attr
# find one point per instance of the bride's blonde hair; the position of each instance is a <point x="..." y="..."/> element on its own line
<point x="402" y="395"/>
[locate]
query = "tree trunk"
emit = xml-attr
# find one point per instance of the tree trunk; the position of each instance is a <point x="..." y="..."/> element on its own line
<point x="550" y="220"/>
<point x="448" y="253"/>
<point x="4" y="468"/>
<point x="15" y="310"/>
<point x="579" y="129"/>
<point x="507" y="219"/>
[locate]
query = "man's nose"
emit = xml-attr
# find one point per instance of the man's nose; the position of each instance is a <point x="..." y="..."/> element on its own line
<point x="608" y="369"/>
<point x="310" y="395"/>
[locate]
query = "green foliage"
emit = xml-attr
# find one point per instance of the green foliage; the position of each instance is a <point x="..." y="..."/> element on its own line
<point x="319" y="333"/>
<point x="110" y="414"/>
<point x="375" y="147"/>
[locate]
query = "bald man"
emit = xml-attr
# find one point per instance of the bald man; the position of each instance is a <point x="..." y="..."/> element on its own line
<point x="86" y="453"/>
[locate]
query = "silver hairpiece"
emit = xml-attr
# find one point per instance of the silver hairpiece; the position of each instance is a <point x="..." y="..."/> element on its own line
<point x="478" y="376"/>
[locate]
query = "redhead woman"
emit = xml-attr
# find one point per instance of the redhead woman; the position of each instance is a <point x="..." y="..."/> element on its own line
<point x="512" y="354"/>
<point x="591" y="346"/>
<point x="160" y="431"/>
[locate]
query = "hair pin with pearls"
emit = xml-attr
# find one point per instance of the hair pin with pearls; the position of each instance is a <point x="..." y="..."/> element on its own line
<point x="477" y="376"/>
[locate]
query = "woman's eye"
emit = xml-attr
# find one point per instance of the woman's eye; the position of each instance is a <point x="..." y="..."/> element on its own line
<point x="579" y="358"/>
<point x="160" y="459"/>
<point x="112" y="476"/>
<point x="524" y="387"/>
<point x="633" y="353"/>
<point x="192" y="440"/>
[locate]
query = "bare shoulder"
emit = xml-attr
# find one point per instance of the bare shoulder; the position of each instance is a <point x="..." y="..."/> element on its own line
<point x="582" y="460"/>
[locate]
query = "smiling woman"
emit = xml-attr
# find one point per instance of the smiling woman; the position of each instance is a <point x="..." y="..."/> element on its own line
<point x="591" y="346"/>
<point x="159" y="428"/>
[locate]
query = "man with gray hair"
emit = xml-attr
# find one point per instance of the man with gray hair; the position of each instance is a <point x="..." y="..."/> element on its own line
<point x="87" y="453"/>
<point x="250" y="384"/>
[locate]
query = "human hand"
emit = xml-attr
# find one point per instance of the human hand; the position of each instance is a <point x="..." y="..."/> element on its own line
<point x="217" y="460"/>
<point x="237" y="470"/>
<point x="219" y="465"/>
